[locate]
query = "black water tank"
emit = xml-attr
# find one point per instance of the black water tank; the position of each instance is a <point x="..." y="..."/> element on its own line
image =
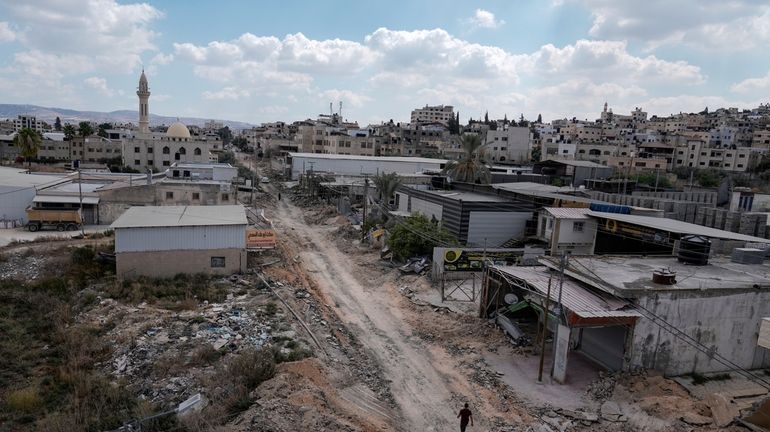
<point x="694" y="250"/>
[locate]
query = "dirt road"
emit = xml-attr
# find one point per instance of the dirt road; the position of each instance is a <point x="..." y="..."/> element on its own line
<point x="424" y="387"/>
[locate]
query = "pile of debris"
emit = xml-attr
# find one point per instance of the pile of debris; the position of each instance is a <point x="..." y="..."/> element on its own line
<point x="164" y="354"/>
<point x="22" y="264"/>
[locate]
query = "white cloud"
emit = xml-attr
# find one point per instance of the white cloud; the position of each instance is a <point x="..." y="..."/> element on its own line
<point x="706" y="24"/>
<point x="6" y="33"/>
<point x="752" y="84"/>
<point x="226" y="93"/>
<point x="113" y="36"/>
<point x="610" y="60"/>
<point x="162" y="59"/>
<point x="485" y="19"/>
<point x="100" y="85"/>
<point x="348" y="98"/>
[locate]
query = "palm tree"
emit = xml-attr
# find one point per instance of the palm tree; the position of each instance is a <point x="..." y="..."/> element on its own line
<point x="85" y="129"/>
<point x="470" y="168"/>
<point x="28" y="141"/>
<point x="386" y="183"/>
<point x="69" y="132"/>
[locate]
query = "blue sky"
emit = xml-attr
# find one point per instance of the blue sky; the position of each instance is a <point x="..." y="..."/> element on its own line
<point x="265" y="61"/>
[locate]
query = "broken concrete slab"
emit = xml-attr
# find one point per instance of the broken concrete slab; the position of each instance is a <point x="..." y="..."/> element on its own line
<point x="722" y="409"/>
<point x="695" y="419"/>
<point x="611" y="411"/>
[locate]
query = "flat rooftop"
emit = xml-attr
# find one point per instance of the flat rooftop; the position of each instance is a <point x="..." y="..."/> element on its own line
<point x="368" y="158"/>
<point x="178" y="216"/>
<point x="201" y="165"/>
<point x="635" y="273"/>
<point x="19" y="178"/>
<point x="458" y="195"/>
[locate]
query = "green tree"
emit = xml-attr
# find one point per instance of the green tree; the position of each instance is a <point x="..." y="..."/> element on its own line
<point x="386" y="184"/>
<point x="69" y="132"/>
<point x="225" y="134"/>
<point x="85" y="129"/>
<point x="708" y="178"/>
<point x="471" y="168"/>
<point x="486" y="117"/>
<point x="28" y="141"/>
<point x="417" y="236"/>
<point x="536" y="155"/>
<point x="539" y="118"/>
<point x="57" y="124"/>
<point x="103" y="129"/>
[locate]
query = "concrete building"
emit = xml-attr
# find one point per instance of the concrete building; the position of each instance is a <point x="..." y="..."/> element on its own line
<point x="54" y="147"/>
<point x="428" y="114"/>
<point x="697" y="154"/>
<point x="18" y="189"/>
<point x="567" y="230"/>
<point x="299" y="163"/>
<point x="27" y="121"/>
<point x="221" y="172"/>
<point x="508" y="145"/>
<point x="164" y="241"/>
<point x="574" y="172"/>
<point x="474" y="219"/>
<point x="157" y="151"/>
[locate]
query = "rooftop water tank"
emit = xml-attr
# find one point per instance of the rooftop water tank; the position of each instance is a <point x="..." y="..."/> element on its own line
<point x="694" y="250"/>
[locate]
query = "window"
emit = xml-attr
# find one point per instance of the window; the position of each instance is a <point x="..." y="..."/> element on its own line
<point x="197" y="151"/>
<point x="185" y="173"/>
<point x="196" y="196"/>
<point x="577" y="226"/>
<point x="166" y="150"/>
<point x="550" y="223"/>
<point x="136" y="149"/>
<point x="169" y="195"/>
<point x="136" y="162"/>
<point x="175" y="173"/>
<point x="225" y="197"/>
<point x="150" y="163"/>
<point x="149" y="149"/>
<point x="182" y="151"/>
<point x="217" y="262"/>
<point x="166" y="163"/>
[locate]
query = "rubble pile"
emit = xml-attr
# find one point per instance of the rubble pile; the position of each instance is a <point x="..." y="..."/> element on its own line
<point x="21" y="265"/>
<point x="165" y="355"/>
<point x="320" y="215"/>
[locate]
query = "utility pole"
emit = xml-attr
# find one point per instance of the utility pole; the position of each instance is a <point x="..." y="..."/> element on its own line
<point x="366" y="198"/>
<point x="562" y="264"/>
<point x="80" y="195"/>
<point x="657" y="176"/>
<point x="545" y="331"/>
<point x="253" y="179"/>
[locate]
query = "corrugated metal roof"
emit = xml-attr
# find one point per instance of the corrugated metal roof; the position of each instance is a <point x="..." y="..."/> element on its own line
<point x="578" y="163"/>
<point x="68" y="199"/>
<point x="679" y="227"/>
<point x="175" y="216"/>
<point x="568" y="212"/>
<point x="368" y="158"/>
<point x="575" y="298"/>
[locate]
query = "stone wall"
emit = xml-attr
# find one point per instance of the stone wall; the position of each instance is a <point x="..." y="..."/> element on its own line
<point x="165" y="264"/>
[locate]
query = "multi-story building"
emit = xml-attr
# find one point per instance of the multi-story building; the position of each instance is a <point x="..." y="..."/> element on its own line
<point x="27" y="121"/>
<point x="508" y="145"/>
<point x="429" y="114"/>
<point x="697" y="154"/>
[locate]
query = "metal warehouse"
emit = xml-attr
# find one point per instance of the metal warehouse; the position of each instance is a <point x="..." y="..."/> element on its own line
<point x="164" y="241"/>
<point x="358" y="165"/>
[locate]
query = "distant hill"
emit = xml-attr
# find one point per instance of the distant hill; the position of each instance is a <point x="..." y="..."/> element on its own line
<point x="122" y="116"/>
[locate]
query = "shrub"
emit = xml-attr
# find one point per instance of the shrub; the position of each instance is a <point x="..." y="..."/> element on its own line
<point x="252" y="367"/>
<point x="83" y="255"/>
<point x="24" y="400"/>
<point x="417" y="236"/>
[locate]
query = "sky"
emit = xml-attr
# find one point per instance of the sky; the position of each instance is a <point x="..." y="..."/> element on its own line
<point x="265" y="61"/>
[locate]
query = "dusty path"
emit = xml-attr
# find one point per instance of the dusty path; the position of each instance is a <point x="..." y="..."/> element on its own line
<point x="425" y="388"/>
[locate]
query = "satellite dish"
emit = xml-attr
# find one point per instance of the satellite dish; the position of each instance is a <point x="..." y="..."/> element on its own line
<point x="510" y="298"/>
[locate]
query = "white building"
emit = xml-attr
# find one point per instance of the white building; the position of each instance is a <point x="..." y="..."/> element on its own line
<point x="222" y="172"/>
<point x="440" y="113"/>
<point x="18" y="189"/>
<point x="165" y="241"/>
<point x="567" y="230"/>
<point x="509" y="145"/>
<point x="358" y="165"/>
<point x="27" y="121"/>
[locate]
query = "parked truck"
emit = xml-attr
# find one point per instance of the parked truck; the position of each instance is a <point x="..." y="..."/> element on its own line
<point x="60" y="219"/>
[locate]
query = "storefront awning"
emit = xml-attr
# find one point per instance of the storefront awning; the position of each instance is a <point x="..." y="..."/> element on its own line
<point x="583" y="307"/>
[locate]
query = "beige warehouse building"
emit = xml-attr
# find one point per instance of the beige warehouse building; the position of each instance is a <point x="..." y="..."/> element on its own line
<point x="165" y="241"/>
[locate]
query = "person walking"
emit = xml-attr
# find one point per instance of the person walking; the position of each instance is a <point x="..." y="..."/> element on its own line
<point x="465" y="415"/>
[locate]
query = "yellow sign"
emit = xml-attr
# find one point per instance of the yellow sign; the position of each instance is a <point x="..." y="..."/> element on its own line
<point x="260" y="239"/>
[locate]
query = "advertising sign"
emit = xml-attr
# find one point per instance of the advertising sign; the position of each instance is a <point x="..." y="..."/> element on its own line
<point x="465" y="260"/>
<point x="260" y="238"/>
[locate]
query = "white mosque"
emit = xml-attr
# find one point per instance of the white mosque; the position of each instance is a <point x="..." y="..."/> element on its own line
<point x="157" y="151"/>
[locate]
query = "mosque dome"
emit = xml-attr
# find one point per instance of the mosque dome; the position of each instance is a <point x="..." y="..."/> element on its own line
<point x="178" y="130"/>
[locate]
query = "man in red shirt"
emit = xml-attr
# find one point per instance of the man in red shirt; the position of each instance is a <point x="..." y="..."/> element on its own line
<point x="465" y="416"/>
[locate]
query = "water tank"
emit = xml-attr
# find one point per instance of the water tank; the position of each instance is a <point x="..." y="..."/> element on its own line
<point x="694" y="250"/>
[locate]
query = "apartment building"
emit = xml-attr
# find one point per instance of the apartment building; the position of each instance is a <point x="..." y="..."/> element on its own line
<point x="508" y="145"/>
<point x="428" y="114"/>
<point x="27" y="121"/>
<point x="697" y="154"/>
